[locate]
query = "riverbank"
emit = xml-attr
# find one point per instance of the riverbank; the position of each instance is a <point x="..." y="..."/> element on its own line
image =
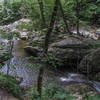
<point x="26" y="68"/>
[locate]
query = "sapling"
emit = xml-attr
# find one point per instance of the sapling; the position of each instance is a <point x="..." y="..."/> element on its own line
<point x="10" y="38"/>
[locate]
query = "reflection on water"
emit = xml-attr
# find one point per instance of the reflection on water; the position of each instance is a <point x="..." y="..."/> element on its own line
<point x="19" y="48"/>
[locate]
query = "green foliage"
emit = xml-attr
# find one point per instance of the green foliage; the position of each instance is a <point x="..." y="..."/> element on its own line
<point x="29" y="26"/>
<point x="1" y="65"/>
<point x="89" y="10"/>
<point x="9" y="35"/>
<point x="53" y="61"/>
<point x="11" y="85"/>
<point x="96" y="97"/>
<point x="35" y="43"/>
<point x="10" y="12"/>
<point x="86" y="96"/>
<point x="50" y="92"/>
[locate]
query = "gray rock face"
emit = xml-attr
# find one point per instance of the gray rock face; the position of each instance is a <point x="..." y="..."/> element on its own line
<point x="70" y="51"/>
<point x="91" y="63"/>
<point x="13" y="27"/>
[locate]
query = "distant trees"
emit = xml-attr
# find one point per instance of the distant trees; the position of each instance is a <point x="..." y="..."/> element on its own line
<point x="74" y="10"/>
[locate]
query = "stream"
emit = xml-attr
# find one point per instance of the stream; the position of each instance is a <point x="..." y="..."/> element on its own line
<point x="21" y="67"/>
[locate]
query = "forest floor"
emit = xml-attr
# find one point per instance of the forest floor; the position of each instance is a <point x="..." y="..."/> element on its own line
<point x="4" y="95"/>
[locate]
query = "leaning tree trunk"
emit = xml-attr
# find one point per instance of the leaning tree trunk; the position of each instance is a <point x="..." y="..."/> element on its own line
<point x="53" y="18"/>
<point x="41" y="71"/>
<point x="64" y="18"/>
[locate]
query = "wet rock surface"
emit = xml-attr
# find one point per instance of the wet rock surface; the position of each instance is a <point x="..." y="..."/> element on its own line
<point x="13" y="27"/>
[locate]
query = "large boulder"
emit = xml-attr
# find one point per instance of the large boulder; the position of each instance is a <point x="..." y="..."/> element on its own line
<point x="91" y="64"/>
<point x="70" y="51"/>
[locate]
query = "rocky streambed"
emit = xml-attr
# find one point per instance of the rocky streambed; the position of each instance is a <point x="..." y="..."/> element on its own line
<point x="66" y="50"/>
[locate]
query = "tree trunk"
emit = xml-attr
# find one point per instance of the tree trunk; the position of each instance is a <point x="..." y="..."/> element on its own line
<point x="77" y="15"/>
<point x="53" y="18"/>
<point x="10" y="50"/>
<point x="41" y="71"/>
<point x="39" y="82"/>
<point x="42" y="13"/>
<point x="64" y="18"/>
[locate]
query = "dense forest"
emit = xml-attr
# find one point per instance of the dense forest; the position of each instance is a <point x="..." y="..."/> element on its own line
<point x="49" y="49"/>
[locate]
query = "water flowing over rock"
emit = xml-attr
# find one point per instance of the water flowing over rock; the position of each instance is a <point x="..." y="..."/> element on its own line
<point x="88" y="31"/>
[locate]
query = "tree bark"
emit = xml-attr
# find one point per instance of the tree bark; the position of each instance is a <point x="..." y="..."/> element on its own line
<point x="39" y="82"/>
<point x="53" y="18"/>
<point x="10" y="50"/>
<point x="64" y="18"/>
<point x="41" y="71"/>
<point x="42" y="13"/>
<point x="77" y="15"/>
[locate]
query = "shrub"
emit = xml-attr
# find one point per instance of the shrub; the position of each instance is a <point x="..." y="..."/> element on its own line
<point x="50" y="92"/>
<point x="10" y="12"/>
<point x="10" y="84"/>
